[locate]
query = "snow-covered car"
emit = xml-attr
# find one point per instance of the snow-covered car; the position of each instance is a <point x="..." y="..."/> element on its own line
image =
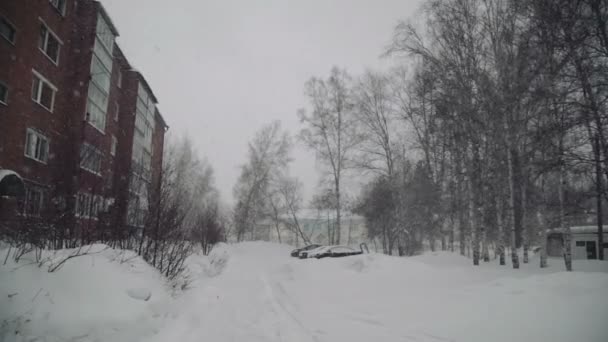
<point x="337" y="252"/>
<point x="313" y="252"/>
<point x="296" y="252"/>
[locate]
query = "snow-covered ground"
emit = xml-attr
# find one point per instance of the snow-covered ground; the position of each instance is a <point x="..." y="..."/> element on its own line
<point x="256" y="292"/>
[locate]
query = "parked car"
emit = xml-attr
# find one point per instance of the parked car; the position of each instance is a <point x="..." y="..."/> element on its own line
<point x="337" y="252"/>
<point x="296" y="252"/>
<point x="313" y="252"/>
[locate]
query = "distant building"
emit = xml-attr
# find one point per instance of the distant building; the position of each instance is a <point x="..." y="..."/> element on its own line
<point x="78" y="125"/>
<point x="317" y="225"/>
<point x="584" y="242"/>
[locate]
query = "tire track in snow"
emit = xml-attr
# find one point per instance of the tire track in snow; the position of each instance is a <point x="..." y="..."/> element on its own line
<point x="285" y="314"/>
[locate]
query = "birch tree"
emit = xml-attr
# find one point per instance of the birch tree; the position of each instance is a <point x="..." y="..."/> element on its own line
<point x="330" y="129"/>
<point x="268" y="157"/>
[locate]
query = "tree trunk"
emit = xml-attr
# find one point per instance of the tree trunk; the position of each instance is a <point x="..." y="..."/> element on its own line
<point x="501" y="233"/>
<point x="278" y="231"/>
<point x="473" y="218"/>
<point x="338" y="227"/>
<point x="524" y="227"/>
<point x="543" y="225"/>
<point x="562" y="218"/>
<point x="599" y="190"/>
<point x="514" y="256"/>
<point x="330" y="240"/>
<point x="543" y="241"/>
<point x="452" y="238"/>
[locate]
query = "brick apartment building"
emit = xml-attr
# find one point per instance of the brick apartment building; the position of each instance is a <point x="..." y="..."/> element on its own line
<point x="81" y="138"/>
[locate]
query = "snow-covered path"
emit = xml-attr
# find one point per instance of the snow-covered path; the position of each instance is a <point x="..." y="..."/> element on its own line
<point x="255" y="292"/>
<point x="260" y="294"/>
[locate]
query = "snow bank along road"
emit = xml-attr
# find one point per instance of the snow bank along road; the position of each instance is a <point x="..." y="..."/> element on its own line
<point x="255" y="292"/>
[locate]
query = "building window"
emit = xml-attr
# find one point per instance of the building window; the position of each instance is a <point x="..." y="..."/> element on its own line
<point x="101" y="71"/>
<point x="119" y="81"/>
<point x="136" y="213"/>
<point x="59" y="5"/>
<point x="105" y="34"/>
<point x="34" y="202"/>
<point x="7" y="30"/>
<point x="116" y="111"/>
<point x="43" y="92"/>
<point x="90" y="158"/>
<point x="49" y="43"/>
<point x="3" y="93"/>
<point x="580" y="244"/>
<point x="36" y="146"/>
<point x="83" y="203"/>
<point x="88" y="205"/>
<point x="114" y="144"/>
<point x="109" y="180"/>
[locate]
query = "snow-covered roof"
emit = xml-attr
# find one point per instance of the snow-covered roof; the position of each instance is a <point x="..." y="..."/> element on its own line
<point x="579" y="230"/>
<point x="11" y="183"/>
<point x="6" y="173"/>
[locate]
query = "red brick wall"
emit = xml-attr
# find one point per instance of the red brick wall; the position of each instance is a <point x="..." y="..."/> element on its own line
<point x="16" y="66"/>
<point x="65" y="126"/>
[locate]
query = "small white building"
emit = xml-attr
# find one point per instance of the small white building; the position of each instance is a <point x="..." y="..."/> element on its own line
<point x="584" y="242"/>
<point x="316" y="225"/>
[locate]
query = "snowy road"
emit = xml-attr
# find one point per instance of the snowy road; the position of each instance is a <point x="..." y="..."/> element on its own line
<point x="258" y="293"/>
<point x="254" y="291"/>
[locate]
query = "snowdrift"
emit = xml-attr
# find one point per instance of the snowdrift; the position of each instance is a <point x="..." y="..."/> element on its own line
<point x="255" y="292"/>
<point x="88" y="294"/>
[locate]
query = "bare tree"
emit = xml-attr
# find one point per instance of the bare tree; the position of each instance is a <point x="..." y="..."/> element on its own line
<point x="268" y="157"/>
<point x="331" y="129"/>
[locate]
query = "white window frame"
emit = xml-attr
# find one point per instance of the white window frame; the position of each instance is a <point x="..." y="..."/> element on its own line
<point x="45" y="44"/>
<point x="101" y="126"/>
<point x="11" y="25"/>
<point x="97" y="152"/>
<point x="38" y="136"/>
<point x="56" y="4"/>
<point x="4" y="100"/>
<point x="102" y="23"/>
<point x="114" y="145"/>
<point x="43" y="80"/>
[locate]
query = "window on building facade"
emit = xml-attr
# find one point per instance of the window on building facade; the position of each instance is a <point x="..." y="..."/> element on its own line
<point x="90" y="158"/>
<point x="109" y="180"/>
<point x="580" y="244"/>
<point x="43" y="92"/>
<point x="88" y="205"/>
<point x="3" y="93"/>
<point x="99" y="88"/>
<point x="59" y="5"/>
<point x="142" y="138"/>
<point x="116" y="111"/>
<point x="34" y="201"/>
<point x="36" y="146"/>
<point x="114" y="145"/>
<point x="136" y="214"/>
<point x="101" y="71"/>
<point x="49" y="43"/>
<point x="7" y="30"/>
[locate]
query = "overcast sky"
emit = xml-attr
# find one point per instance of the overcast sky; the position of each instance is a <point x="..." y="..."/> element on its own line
<point x="222" y="69"/>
